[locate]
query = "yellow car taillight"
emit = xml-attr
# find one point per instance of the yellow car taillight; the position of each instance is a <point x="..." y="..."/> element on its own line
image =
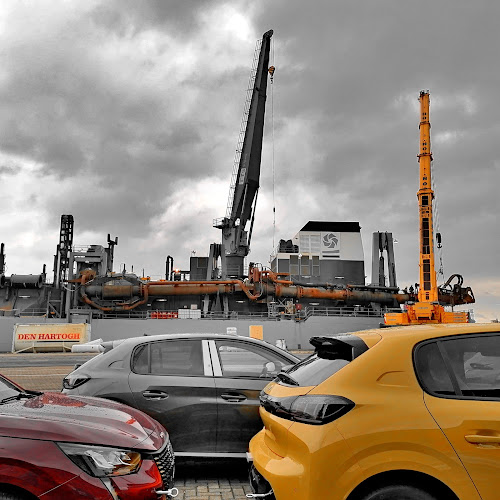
<point x="308" y="409"/>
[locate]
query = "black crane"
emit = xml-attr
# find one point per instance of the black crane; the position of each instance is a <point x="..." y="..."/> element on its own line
<point x="235" y="244"/>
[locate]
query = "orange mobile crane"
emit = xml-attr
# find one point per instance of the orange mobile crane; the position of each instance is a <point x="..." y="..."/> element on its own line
<point x="427" y="309"/>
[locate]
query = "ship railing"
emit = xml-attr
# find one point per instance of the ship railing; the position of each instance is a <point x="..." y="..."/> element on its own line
<point x="124" y="315"/>
<point x="28" y="312"/>
<point x="345" y="311"/>
<point x="9" y="312"/>
<point x="275" y="314"/>
<point x="304" y="313"/>
<point x="235" y="315"/>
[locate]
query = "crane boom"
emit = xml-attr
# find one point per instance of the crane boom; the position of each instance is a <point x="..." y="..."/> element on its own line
<point x="428" y="291"/>
<point x="235" y="244"/>
<point x="428" y="309"/>
<point x="249" y="165"/>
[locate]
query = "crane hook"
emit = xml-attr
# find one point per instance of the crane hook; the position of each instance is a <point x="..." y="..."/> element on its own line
<point x="271" y="70"/>
<point x="438" y="239"/>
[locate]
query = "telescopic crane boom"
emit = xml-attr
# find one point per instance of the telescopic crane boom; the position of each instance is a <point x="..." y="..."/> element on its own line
<point x="235" y="244"/>
<point x="427" y="309"/>
<point x="428" y="291"/>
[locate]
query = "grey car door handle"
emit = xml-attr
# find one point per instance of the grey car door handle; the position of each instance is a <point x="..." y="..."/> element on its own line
<point x="155" y="394"/>
<point x="233" y="398"/>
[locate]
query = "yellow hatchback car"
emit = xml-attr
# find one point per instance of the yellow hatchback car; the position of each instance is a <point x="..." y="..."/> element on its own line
<point x="409" y="413"/>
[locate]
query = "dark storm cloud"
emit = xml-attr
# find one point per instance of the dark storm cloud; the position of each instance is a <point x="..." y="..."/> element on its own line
<point x="6" y="170"/>
<point x="64" y="108"/>
<point x="68" y="127"/>
<point x="181" y="16"/>
<point x="135" y="104"/>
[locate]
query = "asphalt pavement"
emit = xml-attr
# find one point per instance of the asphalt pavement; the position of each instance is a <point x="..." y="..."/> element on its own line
<point x="40" y="371"/>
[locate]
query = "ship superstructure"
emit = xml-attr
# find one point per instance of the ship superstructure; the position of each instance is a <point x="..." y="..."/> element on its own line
<point x="323" y="252"/>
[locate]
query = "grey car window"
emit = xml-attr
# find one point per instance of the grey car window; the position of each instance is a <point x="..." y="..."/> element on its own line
<point x="239" y="359"/>
<point x="171" y="357"/>
<point x="140" y="359"/>
<point x="432" y="371"/>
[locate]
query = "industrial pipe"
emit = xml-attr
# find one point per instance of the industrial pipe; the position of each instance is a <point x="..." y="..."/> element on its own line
<point x="118" y="307"/>
<point x="159" y="288"/>
<point x="268" y="284"/>
<point x="26" y="280"/>
<point x="347" y="295"/>
<point x="113" y="291"/>
<point x="253" y="292"/>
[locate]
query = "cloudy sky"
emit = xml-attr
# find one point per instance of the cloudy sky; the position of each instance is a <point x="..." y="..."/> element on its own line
<point x="126" y="114"/>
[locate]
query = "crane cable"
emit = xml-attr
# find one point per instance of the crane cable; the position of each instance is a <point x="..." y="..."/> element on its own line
<point x="272" y="140"/>
<point x="440" y="271"/>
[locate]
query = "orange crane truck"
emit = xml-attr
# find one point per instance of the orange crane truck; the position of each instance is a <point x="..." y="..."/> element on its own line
<point x="427" y="309"/>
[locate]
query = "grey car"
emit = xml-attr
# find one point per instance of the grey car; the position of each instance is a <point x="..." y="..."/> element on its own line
<point x="203" y="388"/>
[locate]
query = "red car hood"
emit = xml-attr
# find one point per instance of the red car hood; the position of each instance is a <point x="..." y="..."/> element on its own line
<point x="54" y="416"/>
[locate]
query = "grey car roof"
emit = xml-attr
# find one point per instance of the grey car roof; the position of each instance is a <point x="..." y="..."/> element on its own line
<point x="108" y="345"/>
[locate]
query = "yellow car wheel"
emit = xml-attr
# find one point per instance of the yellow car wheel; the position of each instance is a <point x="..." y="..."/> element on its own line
<point x="399" y="492"/>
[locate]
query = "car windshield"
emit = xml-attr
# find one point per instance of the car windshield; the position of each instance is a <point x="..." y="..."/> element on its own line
<point x="7" y="390"/>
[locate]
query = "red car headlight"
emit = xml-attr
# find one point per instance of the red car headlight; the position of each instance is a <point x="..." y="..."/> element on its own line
<point x="100" y="461"/>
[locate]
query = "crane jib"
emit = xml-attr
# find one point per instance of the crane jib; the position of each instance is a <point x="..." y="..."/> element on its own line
<point x="235" y="245"/>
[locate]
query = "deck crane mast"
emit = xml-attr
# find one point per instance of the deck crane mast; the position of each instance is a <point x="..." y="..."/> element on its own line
<point x="427" y="309"/>
<point x="235" y="245"/>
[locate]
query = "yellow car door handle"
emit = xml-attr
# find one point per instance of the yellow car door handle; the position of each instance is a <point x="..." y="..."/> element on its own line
<point x="482" y="439"/>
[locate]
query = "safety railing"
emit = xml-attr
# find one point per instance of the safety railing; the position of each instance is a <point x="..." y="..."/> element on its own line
<point x="273" y="315"/>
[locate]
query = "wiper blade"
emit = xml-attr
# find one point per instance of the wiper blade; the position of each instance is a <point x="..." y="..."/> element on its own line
<point x="284" y="377"/>
<point x="17" y="397"/>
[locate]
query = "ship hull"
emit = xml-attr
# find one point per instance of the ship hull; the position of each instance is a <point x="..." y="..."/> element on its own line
<point x="295" y="334"/>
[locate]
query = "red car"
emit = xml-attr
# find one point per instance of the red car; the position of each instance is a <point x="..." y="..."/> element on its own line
<point x="54" y="446"/>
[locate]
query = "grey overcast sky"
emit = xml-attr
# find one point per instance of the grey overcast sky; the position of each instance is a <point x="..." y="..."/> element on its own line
<point x="126" y="114"/>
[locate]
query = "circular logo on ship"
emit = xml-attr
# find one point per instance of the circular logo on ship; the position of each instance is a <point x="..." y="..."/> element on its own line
<point x="330" y="240"/>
